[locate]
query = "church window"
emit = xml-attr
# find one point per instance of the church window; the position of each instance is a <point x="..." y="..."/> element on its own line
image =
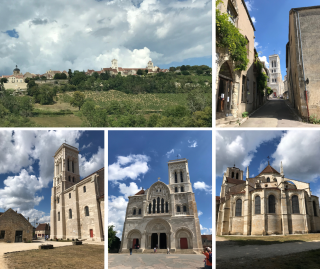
<point x="275" y="80"/>
<point x="150" y="208"/>
<point x="72" y="167"/>
<point x="58" y="200"/>
<point x="2" y="233"/>
<point x="167" y="208"/>
<point x="134" y="211"/>
<point x="237" y="176"/>
<point x="84" y="189"/>
<point x="72" y="179"/>
<point x="272" y="204"/>
<point x="139" y="211"/>
<point x="184" y="208"/>
<point x="257" y="205"/>
<point x="175" y="189"/>
<point x="70" y="213"/>
<point x="232" y="13"/>
<point x="69" y="195"/>
<point x="69" y="178"/>
<point x="158" y="205"/>
<point x="154" y="206"/>
<point x="295" y="204"/>
<point x="181" y="176"/>
<point x="182" y="189"/>
<point x="314" y="209"/>
<point x="86" y="211"/>
<point x="178" y="208"/>
<point x="58" y="216"/>
<point x="238" y="207"/>
<point x="268" y="179"/>
<point x="162" y="205"/>
<point x="68" y="165"/>
<point x="175" y="177"/>
<point x="232" y="175"/>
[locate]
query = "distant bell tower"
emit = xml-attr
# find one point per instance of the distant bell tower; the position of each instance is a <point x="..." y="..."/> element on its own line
<point x="16" y="71"/>
<point x="275" y="80"/>
<point x="114" y="64"/>
<point x="150" y="65"/>
<point x="179" y="179"/>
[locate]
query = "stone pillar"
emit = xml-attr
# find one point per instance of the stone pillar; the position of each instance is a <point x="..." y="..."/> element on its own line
<point x="143" y="208"/>
<point x="143" y="241"/>
<point x="284" y="212"/>
<point x="158" y="240"/>
<point x="53" y="214"/>
<point x="173" y="210"/>
<point x="173" y="240"/>
<point x="305" y="212"/>
<point x="246" y="211"/>
<point x="264" y="211"/>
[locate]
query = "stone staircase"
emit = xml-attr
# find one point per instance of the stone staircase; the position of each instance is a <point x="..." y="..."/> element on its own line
<point x="227" y="122"/>
<point x="162" y="251"/>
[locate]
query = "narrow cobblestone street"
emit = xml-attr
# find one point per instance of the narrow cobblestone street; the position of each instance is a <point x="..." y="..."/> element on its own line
<point x="275" y="113"/>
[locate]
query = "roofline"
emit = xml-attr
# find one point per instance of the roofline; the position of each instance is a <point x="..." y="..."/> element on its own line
<point x="68" y="146"/>
<point x="303" y="8"/>
<point x="245" y="6"/>
<point x="178" y="160"/>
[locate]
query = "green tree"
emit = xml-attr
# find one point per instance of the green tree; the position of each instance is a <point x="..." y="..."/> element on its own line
<point x="139" y="72"/>
<point x="146" y="71"/>
<point x="183" y="68"/>
<point x="78" y="99"/>
<point x="57" y="76"/>
<point x="111" y="235"/>
<point x="26" y="105"/>
<point x="172" y="69"/>
<point x="95" y="75"/>
<point x="43" y="77"/>
<point x="199" y="72"/>
<point x="63" y="76"/>
<point x="185" y="73"/>
<point x="105" y="76"/>
<point x="70" y="74"/>
<point x="4" y="80"/>
<point x="78" y="78"/>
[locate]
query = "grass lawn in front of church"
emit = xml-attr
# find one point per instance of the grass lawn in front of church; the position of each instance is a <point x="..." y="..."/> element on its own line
<point x="83" y="256"/>
<point x="271" y="239"/>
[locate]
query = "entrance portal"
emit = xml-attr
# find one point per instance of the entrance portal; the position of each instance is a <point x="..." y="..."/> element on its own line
<point x="135" y="243"/>
<point x="224" y="93"/>
<point x="91" y="233"/>
<point x="163" y="241"/>
<point x="154" y="240"/>
<point x="183" y="243"/>
<point x="18" y="236"/>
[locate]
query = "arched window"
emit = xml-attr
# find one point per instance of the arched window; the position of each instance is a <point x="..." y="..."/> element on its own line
<point x="150" y="208"/>
<point x="238" y="207"/>
<point x="70" y="213"/>
<point x="257" y="205"/>
<point x="86" y="211"/>
<point x="175" y="177"/>
<point x="272" y="63"/>
<point x="68" y="165"/>
<point x="158" y="205"/>
<point x="182" y="189"/>
<point x="139" y="211"/>
<point x="295" y="204"/>
<point x="69" y="195"/>
<point x="237" y="176"/>
<point x="72" y="179"/>
<point x="134" y="211"/>
<point x="314" y="209"/>
<point x="181" y="176"/>
<point x="232" y="175"/>
<point x="84" y="189"/>
<point x="167" y="208"/>
<point x="58" y="200"/>
<point x="268" y="179"/>
<point x="184" y="208"/>
<point x="175" y="189"/>
<point x="72" y="167"/>
<point x="178" y="208"/>
<point x="58" y="216"/>
<point x="272" y="204"/>
<point x="162" y="205"/>
<point x="154" y="206"/>
<point x="69" y="178"/>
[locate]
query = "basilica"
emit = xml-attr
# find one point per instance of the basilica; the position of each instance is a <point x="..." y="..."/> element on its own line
<point x="266" y="204"/>
<point x="164" y="216"/>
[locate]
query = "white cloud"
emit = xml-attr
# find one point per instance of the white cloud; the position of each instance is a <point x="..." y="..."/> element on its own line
<point x="279" y="52"/>
<point x="193" y="144"/>
<point x="117" y="212"/>
<point x="253" y="20"/>
<point x="54" y="36"/>
<point x="249" y="5"/>
<point x="131" y="166"/>
<point x="95" y="163"/>
<point x="86" y="146"/>
<point x="265" y="60"/>
<point x="169" y="153"/>
<point x="199" y="213"/>
<point x="263" y="165"/>
<point x="200" y="185"/>
<point x="239" y="147"/>
<point x="205" y="230"/>
<point x="132" y="189"/>
<point x="300" y="155"/>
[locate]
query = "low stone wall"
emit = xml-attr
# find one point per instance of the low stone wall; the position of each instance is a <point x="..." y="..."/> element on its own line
<point x="52" y="81"/>
<point x="15" y="86"/>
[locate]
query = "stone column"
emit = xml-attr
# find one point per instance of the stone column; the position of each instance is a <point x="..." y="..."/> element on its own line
<point x="264" y="211"/>
<point x="173" y="240"/>
<point x="143" y="241"/>
<point x="159" y="240"/>
<point x="284" y="212"/>
<point x="304" y="212"/>
<point x="246" y="212"/>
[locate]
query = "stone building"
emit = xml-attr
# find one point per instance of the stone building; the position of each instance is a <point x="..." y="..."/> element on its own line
<point x="14" y="227"/>
<point x="165" y="215"/>
<point x="275" y="77"/>
<point x="236" y="91"/>
<point x="77" y="206"/>
<point x="267" y="204"/>
<point x="302" y="61"/>
<point x="42" y="230"/>
<point x="206" y="240"/>
<point x="15" y="81"/>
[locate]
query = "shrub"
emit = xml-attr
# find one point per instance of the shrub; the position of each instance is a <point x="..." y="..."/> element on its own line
<point x="245" y="114"/>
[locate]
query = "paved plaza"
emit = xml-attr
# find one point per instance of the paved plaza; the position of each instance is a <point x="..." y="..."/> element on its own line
<point x="155" y="261"/>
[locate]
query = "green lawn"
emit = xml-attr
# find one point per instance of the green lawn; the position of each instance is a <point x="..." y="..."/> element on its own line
<point x="58" y="121"/>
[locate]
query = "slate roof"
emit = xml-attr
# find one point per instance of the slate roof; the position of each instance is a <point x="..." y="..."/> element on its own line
<point x="140" y="192"/>
<point x="235" y="181"/>
<point x="43" y="227"/>
<point x="269" y="170"/>
<point x="208" y="236"/>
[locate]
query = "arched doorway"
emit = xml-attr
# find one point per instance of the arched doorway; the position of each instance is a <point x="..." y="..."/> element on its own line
<point x="134" y="239"/>
<point x="224" y="95"/>
<point x="184" y="238"/>
<point x="158" y="232"/>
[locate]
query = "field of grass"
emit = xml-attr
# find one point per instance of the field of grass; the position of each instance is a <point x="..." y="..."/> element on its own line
<point x="57" y="121"/>
<point x="149" y="101"/>
<point x="85" y="256"/>
<point x="269" y="240"/>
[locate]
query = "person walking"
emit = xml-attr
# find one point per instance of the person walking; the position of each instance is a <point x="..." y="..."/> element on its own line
<point x="208" y="254"/>
<point x="154" y="250"/>
<point x="168" y="250"/>
<point x="131" y="251"/>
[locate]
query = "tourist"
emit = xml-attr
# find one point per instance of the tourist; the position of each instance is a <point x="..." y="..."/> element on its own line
<point x="130" y="251"/>
<point x="208" y="260"/>
<point x="155" y="250"/>
<point x="168" y="250"/>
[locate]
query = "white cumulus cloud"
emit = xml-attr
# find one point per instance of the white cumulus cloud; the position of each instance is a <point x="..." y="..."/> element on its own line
<point x="169" y="153"/>
<point x="193" y="144"/>
<point x="132" y="189"/>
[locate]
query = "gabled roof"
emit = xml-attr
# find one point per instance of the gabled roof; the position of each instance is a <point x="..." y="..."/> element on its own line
<point x="208" y="236"/>
<point x="269" y="170"/>
<point x="140" y="192"/>
<point x="43" y="227"/>
<point x="235" y="181"/>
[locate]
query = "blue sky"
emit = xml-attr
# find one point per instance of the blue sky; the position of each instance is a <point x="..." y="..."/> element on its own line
<point x="272" y="25"/>
<point x="26" y="166"/>
<point x="149" y="152"/>
<point x="297" y="149"/>
<point x="52" y="35"/>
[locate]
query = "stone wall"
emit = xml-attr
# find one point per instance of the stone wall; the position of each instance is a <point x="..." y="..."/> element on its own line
<point x="15" y="86"/>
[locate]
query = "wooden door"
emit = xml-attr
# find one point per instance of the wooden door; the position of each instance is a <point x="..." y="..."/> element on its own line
<point x="134" y="243"/>
<point x="183" y="243"/>
<point x="91" y="233"/>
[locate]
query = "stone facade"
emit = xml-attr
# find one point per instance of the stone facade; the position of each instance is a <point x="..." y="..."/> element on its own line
<point x="275" y="77"/>
<point x="42" y="230"/>
<point x="302" y="60"/>
<point x="14" y="227"/>
<point x="77" y="206"/>
<point x="267" y="204"/>
<point x="164" y="215"/>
